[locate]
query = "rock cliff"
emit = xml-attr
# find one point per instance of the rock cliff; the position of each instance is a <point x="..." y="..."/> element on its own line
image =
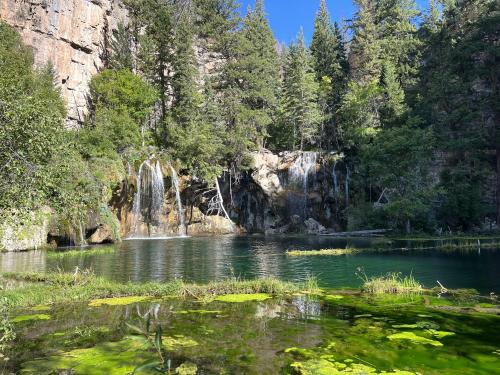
<point x="70" y="34"/>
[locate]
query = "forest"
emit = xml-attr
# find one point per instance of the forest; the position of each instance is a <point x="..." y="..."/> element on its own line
<point x="409" y="98"/>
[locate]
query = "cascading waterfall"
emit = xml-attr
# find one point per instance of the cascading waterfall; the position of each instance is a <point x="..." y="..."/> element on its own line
<point x="299" y="174"/>
<point x="175" y="182"/>
<point x="148" y="200"/>
<point x="335" y="181"/>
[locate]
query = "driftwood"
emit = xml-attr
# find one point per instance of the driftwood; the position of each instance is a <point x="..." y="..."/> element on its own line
<point x="358" y="233"/>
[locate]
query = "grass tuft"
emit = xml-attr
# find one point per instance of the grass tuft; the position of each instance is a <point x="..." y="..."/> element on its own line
<point x="392" y="283"/>
<point x="50" y="288"/>
<point x="296" y="253"/>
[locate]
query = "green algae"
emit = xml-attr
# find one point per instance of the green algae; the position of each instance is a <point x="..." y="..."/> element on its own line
<point x="419" y="325"/>
<point x="40" y="308"/>
<point x="202" y="312"/>
<point x="323" y="252"/>
<point x="178" y="342"/>
<point x="118" y="301"/>
<point x="111" y="358"/>
<point x="326" y="367"/>
<point x="187" y="368"/>
<point x="237" y="298"/>
<point x="410" y="336"/>
<point x="333" y="297"/>
<point x="440" y="334"/>
<point x="25" y="318"/>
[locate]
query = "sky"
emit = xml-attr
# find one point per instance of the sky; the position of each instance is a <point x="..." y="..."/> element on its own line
<point x="287" y="16"/>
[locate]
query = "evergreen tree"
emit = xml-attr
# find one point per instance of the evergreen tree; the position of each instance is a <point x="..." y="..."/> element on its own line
<point x="301" y="93"/>
<point x="394" y="106"/>
<point x="365" y="54"/>
<point x="250" y="83"/>
<point x="330" y="64"/>
<point x="121" y="49"/>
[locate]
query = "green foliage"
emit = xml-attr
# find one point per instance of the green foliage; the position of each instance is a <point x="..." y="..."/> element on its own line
<point x="300" y="97"/>
<point x="123" y="91"/>
<point x="31" y="126"/>
<point x="250" y="84"/>
<point x="405" y="189"/>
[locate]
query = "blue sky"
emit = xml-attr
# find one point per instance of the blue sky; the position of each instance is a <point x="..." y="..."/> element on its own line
<point x="287" y="16"/>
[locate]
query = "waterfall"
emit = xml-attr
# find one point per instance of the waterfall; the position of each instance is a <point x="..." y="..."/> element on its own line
<point x="299" y="174"/>
<point x="175" y="182"/>
<point x="335" y="182"/>
<point x="148" y="200"/>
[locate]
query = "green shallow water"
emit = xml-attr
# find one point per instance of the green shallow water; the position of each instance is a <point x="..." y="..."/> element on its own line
<point x="202" y="259"/>
<point x="296" y="334"/>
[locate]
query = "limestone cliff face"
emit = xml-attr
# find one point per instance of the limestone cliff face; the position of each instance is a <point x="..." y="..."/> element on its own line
<point x="72" y="35"/>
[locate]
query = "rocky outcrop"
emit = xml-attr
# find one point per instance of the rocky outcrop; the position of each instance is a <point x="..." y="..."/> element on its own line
<point x="290" y="192"/>
<point x="70" y="34"/>
<point x="212" y="225"/>
<point x="103" y="234"/>
<point x="27" y="233"/>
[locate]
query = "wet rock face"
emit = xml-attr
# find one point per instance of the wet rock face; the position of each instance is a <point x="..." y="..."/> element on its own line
<point x="70" y="34"/>
<point x="26" y="233"/>
<point x="289" y="192"/>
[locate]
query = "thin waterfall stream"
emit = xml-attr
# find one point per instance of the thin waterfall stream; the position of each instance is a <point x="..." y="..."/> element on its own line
<point x="175" y="183"/>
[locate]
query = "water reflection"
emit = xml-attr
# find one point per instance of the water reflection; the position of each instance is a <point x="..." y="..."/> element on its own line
<point x="202" y="259"/>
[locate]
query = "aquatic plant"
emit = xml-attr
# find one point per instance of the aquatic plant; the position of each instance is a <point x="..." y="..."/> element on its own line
<point x="117" y="301"/>
<point x="101" y="250"/>
<point x="50" y="288"/>
<point x="25" y="318"/>
<point x="392" y="283"/>
<point x="162" y="364"/>
<point x="410" y="336"/>
<point x="7" y="334"/>
<point x="333" y="252"/>
<point x="108" y="358"/>
<point x="311" y="284"/>
<point x="238" y="298"/>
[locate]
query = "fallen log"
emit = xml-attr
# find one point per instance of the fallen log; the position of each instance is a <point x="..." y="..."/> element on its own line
<point x="357" y="233"/>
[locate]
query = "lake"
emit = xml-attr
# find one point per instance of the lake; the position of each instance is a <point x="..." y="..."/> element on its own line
<point x="202" y="259"/>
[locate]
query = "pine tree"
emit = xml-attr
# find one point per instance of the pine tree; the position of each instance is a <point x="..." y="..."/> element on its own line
<point x="365" y="54"/>
<point x="301" y="95"/>
<point x="250" y="83"/>
<point x="394" y="106"/>
<point x="330" y="64"/>
<point x="121" y="56"/>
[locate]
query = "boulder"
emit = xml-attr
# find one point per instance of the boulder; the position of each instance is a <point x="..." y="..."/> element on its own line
<point x="265" y="172"/>
<point x="26" y="234"/>
<point x="103" y="234"/>
<point x="313" y="227"/>
<point x="212" y="225"/>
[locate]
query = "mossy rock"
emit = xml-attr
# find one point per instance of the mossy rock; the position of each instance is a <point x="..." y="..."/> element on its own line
<point x="25" y="318"/>
<point x="111" y="358"/>
<point x="238" y="298"/>
<point x="118" y="301"/>
<point x="410" y="336"/>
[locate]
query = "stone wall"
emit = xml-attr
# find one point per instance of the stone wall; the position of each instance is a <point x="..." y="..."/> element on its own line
<point x="72" y="35"/>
